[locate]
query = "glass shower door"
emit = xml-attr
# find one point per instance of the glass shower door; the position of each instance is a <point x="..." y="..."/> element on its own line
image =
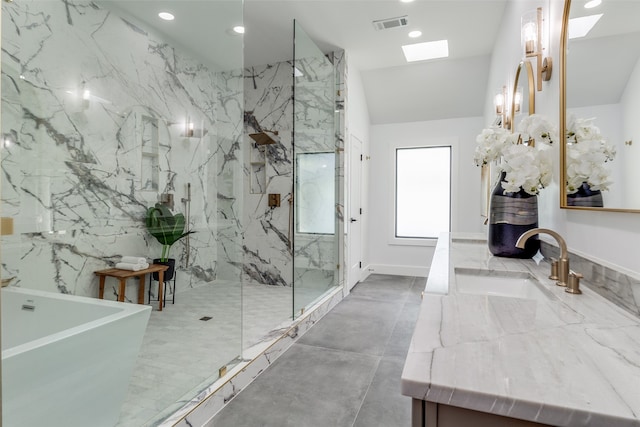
<point x="314" y="223"/>
<point x="105" y="113"/>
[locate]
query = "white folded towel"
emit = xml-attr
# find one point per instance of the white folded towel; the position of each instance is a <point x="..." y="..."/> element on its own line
<point x="132" y="267"/>
<point x="133" y="260"/>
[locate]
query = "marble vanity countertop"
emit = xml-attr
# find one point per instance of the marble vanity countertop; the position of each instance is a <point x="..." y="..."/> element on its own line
<point x="545" y="356"/>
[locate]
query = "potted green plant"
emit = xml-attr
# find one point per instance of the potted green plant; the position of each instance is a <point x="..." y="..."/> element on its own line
<point x="167" y="228"/>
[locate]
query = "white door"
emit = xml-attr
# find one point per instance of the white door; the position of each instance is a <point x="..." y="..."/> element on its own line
<point x="354" y="220"/>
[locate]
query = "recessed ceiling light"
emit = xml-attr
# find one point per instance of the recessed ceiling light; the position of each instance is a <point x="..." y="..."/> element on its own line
<point x="238" y="29"/>
<point x="406" y="1"/>
<point x="427" y="50"/>
<point x="593" y="3"/>
<point x="580" y="27"/>
<point x="166" y="16"/>
<point x="414" y="34"/>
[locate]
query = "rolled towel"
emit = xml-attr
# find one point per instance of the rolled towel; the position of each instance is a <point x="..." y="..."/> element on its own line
<point x="132" y="267"/>
<point x="133" y="260"/>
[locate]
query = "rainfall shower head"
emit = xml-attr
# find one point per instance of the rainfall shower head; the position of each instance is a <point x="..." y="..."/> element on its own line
<point x="265" y="137"/>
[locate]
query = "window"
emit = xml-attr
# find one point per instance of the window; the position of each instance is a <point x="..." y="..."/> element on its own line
<point x="315" y="193"/>
<point x="423" y="192"/>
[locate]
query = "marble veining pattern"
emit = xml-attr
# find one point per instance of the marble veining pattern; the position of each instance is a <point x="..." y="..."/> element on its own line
<point x="563" y="360"/>
<point x="623" y="289"/>
<point x="80" y="115"/>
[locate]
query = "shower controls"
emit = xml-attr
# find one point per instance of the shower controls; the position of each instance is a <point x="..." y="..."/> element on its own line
<point x="167" y="200"/>
<point x="274" y="200"/>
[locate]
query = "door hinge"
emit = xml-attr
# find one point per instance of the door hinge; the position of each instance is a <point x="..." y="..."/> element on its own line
<point x="360" y="264"/>
<point x="360" y="211"/>
<point x="360" y="157"/>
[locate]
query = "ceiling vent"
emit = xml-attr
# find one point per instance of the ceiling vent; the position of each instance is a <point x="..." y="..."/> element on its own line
<point x="385" y="24"/>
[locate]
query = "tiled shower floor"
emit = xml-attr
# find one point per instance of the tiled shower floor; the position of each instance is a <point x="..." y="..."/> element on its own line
<point x="181" y="354"/>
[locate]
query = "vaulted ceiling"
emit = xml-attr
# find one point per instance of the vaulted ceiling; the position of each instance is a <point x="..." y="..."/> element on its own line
<point x="396" y="91"/>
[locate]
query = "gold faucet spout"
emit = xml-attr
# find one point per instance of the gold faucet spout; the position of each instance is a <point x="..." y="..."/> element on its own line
<point x="525" y="236"/>
<point x="563" y="262"/>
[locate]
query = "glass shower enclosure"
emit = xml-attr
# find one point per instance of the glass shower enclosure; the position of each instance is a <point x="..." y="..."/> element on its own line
<point x="106" y="112"/>
<point x="315" y="238"/>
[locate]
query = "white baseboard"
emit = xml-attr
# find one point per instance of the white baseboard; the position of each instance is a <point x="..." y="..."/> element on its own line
<point x="396" y="270"/>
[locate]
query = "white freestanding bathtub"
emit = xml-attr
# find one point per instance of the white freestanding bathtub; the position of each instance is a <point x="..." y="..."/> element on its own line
<point x="66" y="360"/>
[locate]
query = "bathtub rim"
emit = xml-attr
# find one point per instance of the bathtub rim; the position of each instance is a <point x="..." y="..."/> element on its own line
<point x="124" y="309"/>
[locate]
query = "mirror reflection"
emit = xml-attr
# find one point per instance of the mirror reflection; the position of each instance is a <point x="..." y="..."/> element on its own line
<point x="602" y="104"/>
<point x="523" y="95"/>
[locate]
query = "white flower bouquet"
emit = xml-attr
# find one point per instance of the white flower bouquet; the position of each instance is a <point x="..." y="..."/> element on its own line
<point x="524" y="156"/>
<point x="587" y="153"/>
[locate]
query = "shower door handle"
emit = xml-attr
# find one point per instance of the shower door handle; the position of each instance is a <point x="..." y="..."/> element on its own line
<point x="353" y="220"/>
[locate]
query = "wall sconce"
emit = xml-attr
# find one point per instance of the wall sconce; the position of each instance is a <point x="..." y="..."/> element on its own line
<point x="531" y="38"/>
<point x="500" y="103"/>
<point x="189" y="129"/>
<point x="517" y="102"/>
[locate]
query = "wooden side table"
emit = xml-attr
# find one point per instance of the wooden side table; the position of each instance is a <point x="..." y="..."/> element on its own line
<point x="123" y="275"/>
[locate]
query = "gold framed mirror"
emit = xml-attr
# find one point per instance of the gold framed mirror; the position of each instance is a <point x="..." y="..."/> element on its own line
<point x="599" y="106"/>
<point x="530" y="94"/>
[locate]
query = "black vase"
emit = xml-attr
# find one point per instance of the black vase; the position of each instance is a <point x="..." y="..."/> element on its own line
<point x="168" y="274"/>
<point x="510" y="215"/>
<point x="585" y="196"/>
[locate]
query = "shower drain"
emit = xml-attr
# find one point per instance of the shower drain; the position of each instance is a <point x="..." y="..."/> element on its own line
<point x="205" y="318"/>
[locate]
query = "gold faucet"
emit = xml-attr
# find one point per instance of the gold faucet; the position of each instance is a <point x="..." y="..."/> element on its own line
<point x="563" y="262"/>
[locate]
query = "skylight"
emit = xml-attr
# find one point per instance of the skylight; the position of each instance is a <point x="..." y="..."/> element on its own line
<point x="580" y="27"/>
<point x="427" y="50"/>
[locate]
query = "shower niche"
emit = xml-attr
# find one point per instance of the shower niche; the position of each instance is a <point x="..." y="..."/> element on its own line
<point x="150" y="165"/>
<point x="258" y="168"/>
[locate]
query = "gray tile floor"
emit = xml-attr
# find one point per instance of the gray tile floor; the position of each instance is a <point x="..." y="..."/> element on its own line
<point x="345" y="371"/>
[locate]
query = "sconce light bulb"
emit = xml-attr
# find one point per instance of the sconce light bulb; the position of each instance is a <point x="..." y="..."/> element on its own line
<point x="86" y="94"/>
<point x="529" y="36"/>
<point x="499" y="103"/>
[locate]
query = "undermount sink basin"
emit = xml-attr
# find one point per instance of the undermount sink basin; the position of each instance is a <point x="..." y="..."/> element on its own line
<point x="513" y="284"/>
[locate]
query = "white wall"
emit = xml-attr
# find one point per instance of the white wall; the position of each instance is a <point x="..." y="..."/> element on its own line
<point x="397" y="259"/>
<point x="358" y="124"/>
<point x="609" y="237"/>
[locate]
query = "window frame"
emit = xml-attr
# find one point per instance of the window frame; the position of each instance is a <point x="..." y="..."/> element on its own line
<point x="451" y="143"/>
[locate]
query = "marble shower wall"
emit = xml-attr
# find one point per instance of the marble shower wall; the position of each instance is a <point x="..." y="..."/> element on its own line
<point x="94" y="112"/>
<point x="269" y="105"/>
